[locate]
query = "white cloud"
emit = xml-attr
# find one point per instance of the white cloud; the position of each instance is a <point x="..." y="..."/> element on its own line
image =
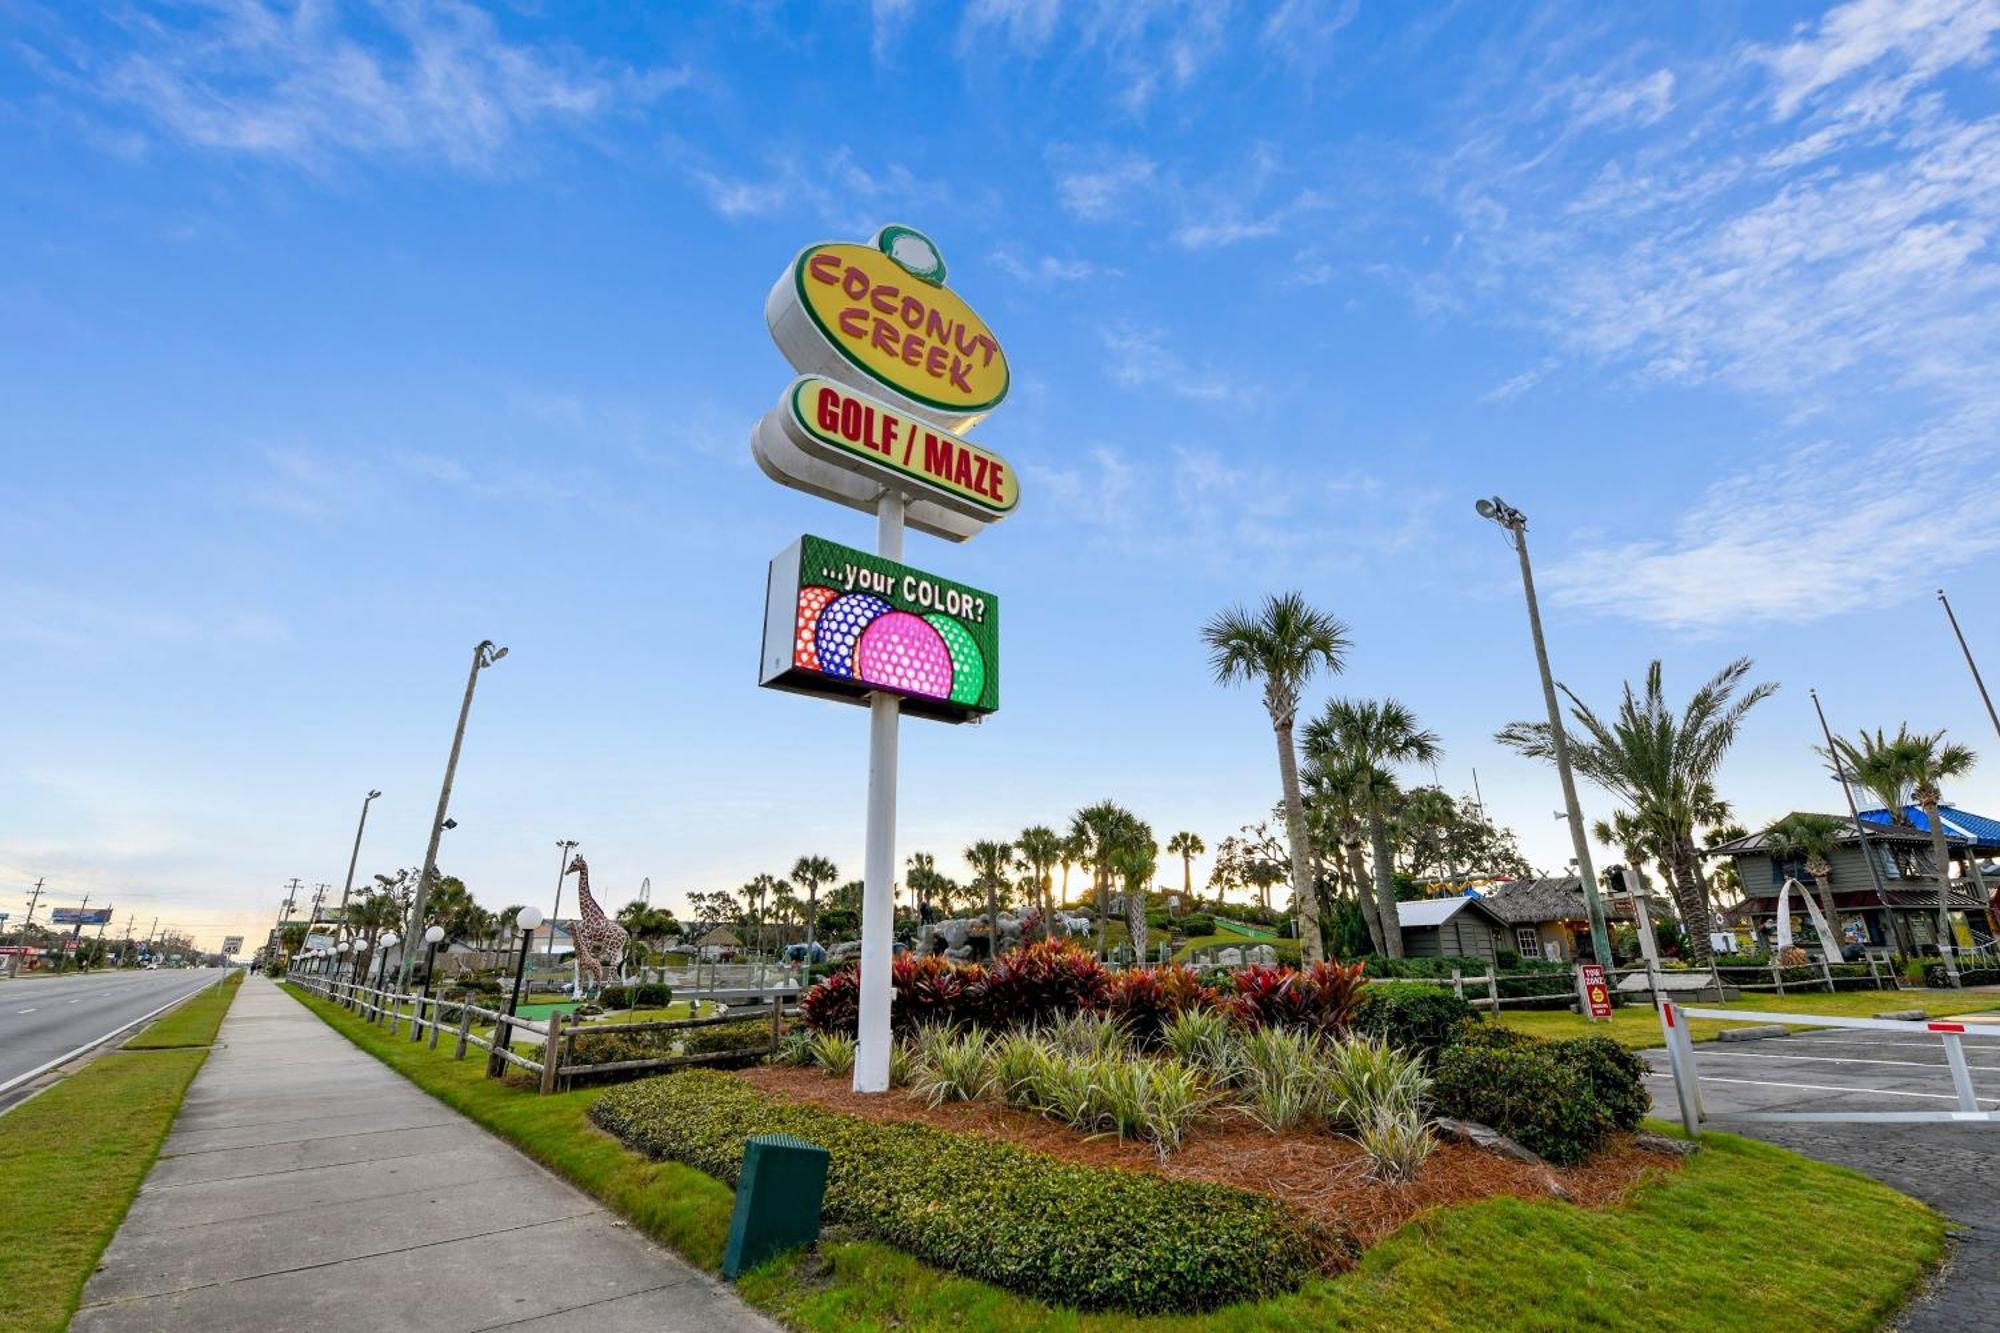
<point x="1633" y="102"/>
<point x="1143" y="43"/>
<point x="301" y="84"/>
<point x="831" y="186"/>
<point x="1922" y="37"/>
<point x="1836" y="264"/>
<point x="1140" y="359"/>
<point x="1099" y="192"/>
<point x="1518" y="384"/>
<point x="1044" y="270"/>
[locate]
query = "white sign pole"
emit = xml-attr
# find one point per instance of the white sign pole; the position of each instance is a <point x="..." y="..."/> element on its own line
<point x="878" y="904"/>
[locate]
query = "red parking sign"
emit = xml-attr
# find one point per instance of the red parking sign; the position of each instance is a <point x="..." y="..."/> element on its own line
<point x="1596" y="994"/>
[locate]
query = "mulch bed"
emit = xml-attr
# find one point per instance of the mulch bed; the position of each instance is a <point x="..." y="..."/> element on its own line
<point x="1316" y="1171"/>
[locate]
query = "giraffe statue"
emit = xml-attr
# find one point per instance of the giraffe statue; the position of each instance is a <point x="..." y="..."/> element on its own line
<point x="600" y="941"/>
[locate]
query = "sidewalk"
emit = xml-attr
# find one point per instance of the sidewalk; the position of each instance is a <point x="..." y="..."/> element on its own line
<point x="305" y="1185"/>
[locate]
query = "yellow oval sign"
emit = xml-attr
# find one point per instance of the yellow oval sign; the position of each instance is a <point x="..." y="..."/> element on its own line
<point x="920" y="340"/>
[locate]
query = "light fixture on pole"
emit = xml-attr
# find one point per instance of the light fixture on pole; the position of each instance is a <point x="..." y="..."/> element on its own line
<point x="525" y="921"/>
<point x="484" y="655"/>
<point x="564" y="846"/>
<point x="433" y="935"/>
<point x="1515" y="524"/>
<point x="388" y="941"/>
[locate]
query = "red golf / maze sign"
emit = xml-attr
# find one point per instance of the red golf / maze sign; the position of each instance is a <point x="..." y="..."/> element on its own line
<point x="828" y="418"/>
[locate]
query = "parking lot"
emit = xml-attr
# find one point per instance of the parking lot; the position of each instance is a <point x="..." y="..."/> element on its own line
<point x="1949" y="1166"/>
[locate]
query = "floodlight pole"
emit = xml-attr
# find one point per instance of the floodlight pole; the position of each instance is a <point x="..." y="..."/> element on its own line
<point x="878" y="906"/>
<point x="1516" y="524"/>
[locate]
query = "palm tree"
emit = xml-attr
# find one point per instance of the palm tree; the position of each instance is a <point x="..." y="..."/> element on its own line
<point x="921" y="876"/>
<point x="1186" y="846"/>
<point x="813" y="871"/>
<point x="375" y="913"/>
<point x="1631" y="837"/>
<point x="1376" y="735"/>
<point x="1093" y="830"/>
<point x="1283" y="644"/>
<point x="1811" y="838"/>
<point x="1134" y="856"/>
<point x="1917" y="763"/>
<point x="1039" y="848"/>
<point x="1345" y="788"/>
<point x="1070" y="852"/>
<point x="1662" y="764"/>
<point x="989" y="872"/>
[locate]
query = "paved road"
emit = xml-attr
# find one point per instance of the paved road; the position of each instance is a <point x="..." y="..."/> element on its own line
<point x="1947" y="1166"/>
<point x="44" y="1018"/>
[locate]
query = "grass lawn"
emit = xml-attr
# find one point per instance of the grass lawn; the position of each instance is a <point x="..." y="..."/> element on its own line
<point x="72" y="1158"/>
<point x="1288" y="950"/>
<point x="1637" y="1026"/>
<point x="192" y="1024"/>
<point x="1693" y="1251"/>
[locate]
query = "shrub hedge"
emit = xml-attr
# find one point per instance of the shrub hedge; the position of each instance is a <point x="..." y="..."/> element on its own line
<point x="1064" y="1233"/>
<point x="1562" y="1099"/>
<point x="1420" y="1018"/>
<point x="644" y="995"/>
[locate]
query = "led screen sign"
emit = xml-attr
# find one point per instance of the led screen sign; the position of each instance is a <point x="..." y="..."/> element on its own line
<point x="81" y="916"/>
<point x="843" y="624"/>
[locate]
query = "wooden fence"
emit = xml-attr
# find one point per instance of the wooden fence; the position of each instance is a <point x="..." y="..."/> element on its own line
<point x="430" y="1017"/>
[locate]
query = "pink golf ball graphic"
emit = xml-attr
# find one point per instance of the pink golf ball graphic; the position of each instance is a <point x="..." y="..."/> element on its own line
<point x="902" y="652"/>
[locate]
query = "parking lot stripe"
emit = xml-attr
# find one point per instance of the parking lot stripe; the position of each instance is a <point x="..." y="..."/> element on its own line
<point x="1845" y="1060"/>
<point x="1820" y="1087"/>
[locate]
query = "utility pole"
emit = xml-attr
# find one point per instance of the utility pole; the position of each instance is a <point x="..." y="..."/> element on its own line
<point x="1897" y="938"/>
<point x="484" y="655"/>
<point x="33" y="897"/>
<point x="319" y="896"/>
<point x="1516" y="525"/>
<point x="354" y="857"/>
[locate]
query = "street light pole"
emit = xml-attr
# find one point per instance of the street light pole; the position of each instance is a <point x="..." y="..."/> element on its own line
<point x="1516" y="525"/>
<point x="564" y="846"/>
<point x="483" y="655"/>
<point x="354" y="857"/>
<point x="1973" y="666"/>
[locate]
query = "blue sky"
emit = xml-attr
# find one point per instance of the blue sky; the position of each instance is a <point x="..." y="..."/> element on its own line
<point x="340" y="337"/>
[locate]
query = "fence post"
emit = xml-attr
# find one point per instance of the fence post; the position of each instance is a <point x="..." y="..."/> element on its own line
<point x="464" y="1028"/>
<point x="1715" y="975"/>
<point x="777" y="1021"/>
<point x="1457" y="984"/>
<point x="551" y="1052"/>
<point x="395" y="1013"/>
<point x="1493" y="990"/>
<point x="1874" y="974"/>
<point x="1777" y="974"/>
<point x="1826" y="969"/>
<point x="437" y="1020"/>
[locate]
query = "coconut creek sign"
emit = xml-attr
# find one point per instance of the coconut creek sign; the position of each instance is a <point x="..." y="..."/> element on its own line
<point x="894" y="370"/>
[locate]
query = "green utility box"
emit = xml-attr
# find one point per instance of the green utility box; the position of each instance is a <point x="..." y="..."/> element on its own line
<point x="778" y="1195"/>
